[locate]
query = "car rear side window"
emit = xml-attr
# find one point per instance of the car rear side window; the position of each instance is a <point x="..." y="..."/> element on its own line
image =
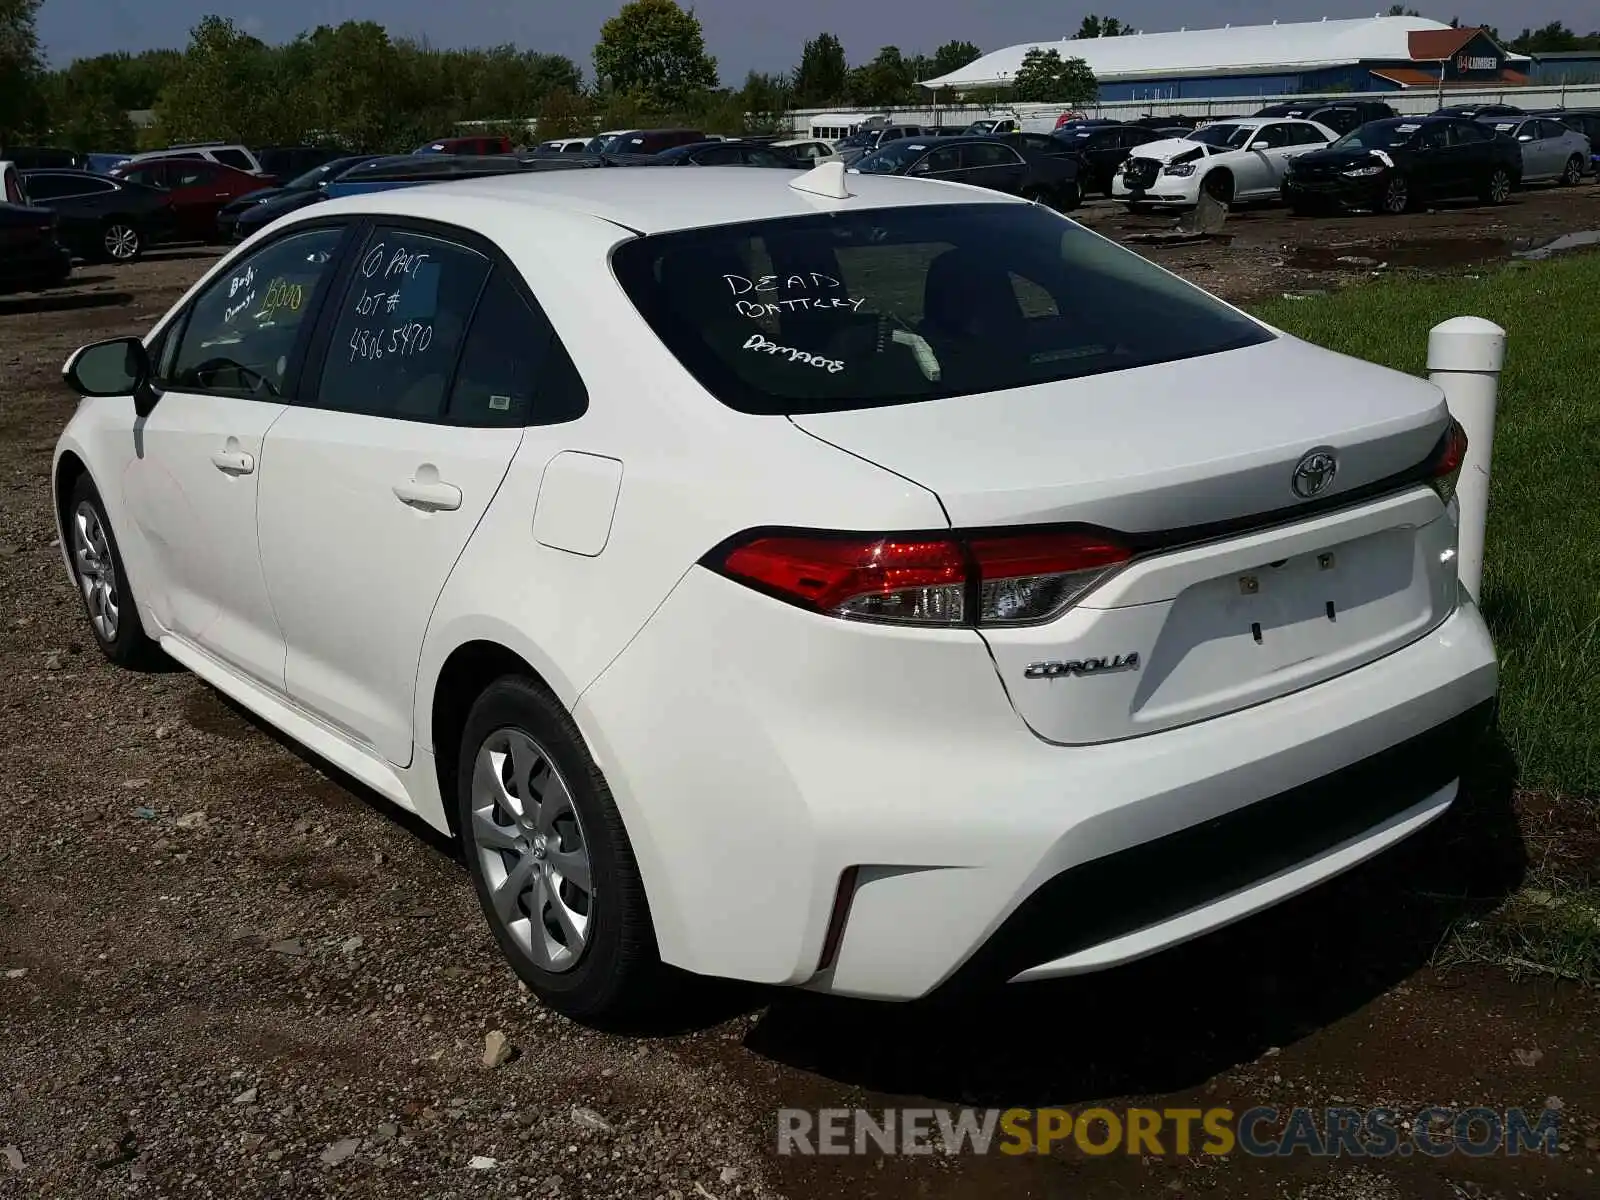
<point x="239" y="333"/>
<point x="233" y="158"/>
<point x="514" y="370"/>
<point x="892" y="306"/>
<point x="400" y="325"/>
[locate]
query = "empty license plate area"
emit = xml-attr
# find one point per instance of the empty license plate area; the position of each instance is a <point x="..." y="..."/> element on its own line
<point x="1261" y="631"/>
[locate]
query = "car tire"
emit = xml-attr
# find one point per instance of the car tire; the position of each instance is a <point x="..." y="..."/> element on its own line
<point x="102" y="580"/>
<point x="550" y="860"/>
<point x="1219" y="186"/>
<point x="1497" y="190"/>
<point x="120" y="241"/>
<point x="1067" y="197"/>
<point x="1395" y="199"/>
<point x="1573" y="172"/>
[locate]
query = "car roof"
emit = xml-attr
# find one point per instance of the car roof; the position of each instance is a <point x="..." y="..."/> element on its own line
<point x="650" y="201"/>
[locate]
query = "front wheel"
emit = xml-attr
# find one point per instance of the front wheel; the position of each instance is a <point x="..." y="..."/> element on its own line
<point x="1498" y="189"/>
<point x="103" y="580"/>
<point x="1396" y="196"/>
<point x="550" y="860"/>
<point x="1219" y="186"/>
<point x="1573" y="172"/>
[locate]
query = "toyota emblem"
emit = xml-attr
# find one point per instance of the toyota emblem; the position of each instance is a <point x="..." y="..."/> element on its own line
<point x="1314" y="473"/>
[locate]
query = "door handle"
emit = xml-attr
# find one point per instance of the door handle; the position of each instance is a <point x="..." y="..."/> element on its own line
<point x="429" y="496"/>
<point x="233" y="462"/>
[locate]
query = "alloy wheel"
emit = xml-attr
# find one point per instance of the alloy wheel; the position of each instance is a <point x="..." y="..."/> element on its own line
<point x="97" y="571"/>
<point x="121" y="242"/>
<point x="531" y="847"/>
<point x="1396" y="197"/>
<point x="1574" y="171"/>
<point x="1499" y="187"/>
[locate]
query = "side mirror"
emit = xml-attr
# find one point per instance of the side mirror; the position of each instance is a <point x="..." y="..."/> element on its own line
<point x="120" y="367"/>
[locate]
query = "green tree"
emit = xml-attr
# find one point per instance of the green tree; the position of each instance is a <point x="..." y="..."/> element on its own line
<point x="340" y="81"/>
<point x="1093" y="27"/>
<point x="1400" y="10"/>
<point x="952" y="56"/>
<point x="1045" y="76"/>
<point x="21" y="99"/>
<point x="227" y="88"/>
<point x="765" y="97"/>
<point x="1553" y="38"/>
<point x="563" y="113"/>
<point x="886" y="80"/>
<point x="656" y="50"/>
<point x="823" y="74"/>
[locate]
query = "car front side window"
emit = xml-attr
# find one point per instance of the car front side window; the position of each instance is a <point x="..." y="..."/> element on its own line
<point x="239" y="334"/>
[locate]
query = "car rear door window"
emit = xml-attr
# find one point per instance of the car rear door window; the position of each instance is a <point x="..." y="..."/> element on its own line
<point x="400" y="325"/>
<point x="989" y="154"/>
<point x="191" y="174"/>
<point x="239" y="333"/>
<point x="150" y="175"/>
<point x="49" y="187"/>
<point x="236" y="159"/>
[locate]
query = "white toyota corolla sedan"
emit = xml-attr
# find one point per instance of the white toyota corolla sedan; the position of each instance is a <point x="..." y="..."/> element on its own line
<point x="852" y="583"/>
<point x="1242" y="159"/>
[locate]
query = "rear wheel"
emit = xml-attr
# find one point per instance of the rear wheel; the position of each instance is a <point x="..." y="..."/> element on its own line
<point x="1068" y="196"/>
<point x="120" y="241"/>
<point x="1498" y="189"/>
<point x="1219" y="186"/>
<point x="1573" y="172"/>
<point x="1396" y="196"/>
<point x="103" y="581"/>
<point x="550" y="860"/>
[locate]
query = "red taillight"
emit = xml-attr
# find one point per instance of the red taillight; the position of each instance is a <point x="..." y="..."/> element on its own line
<point x="1445" y="468"/>
<point x="1006" y="579"/>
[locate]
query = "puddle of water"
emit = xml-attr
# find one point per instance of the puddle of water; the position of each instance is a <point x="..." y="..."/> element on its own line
<point x="1567" y="241"/>
<point x="1432" y="253"/>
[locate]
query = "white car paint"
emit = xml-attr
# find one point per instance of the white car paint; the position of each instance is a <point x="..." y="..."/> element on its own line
<point x="322" y="568"/>
<point x="812" y="150"/>
<point x="1256" y="167"/>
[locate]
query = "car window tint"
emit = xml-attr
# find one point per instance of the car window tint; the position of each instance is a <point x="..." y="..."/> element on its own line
<point x="1433" y="137"/>
<point x="514" y="370"/>
<point x="187" y="174"/>
<point x="49" y="187"/>
<point x="947" y="159"/>
<point x="890" y="306"/>
<point x="400" y="326"/>
<point x="241" y="329"/>
<point x="151" y="176"/>
<point x="989" y="154"/>
<point x="718" y="156"/>
<point x="233" y="158"/>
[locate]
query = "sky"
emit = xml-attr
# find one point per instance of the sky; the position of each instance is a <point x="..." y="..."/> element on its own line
<point x="741" y="35"/>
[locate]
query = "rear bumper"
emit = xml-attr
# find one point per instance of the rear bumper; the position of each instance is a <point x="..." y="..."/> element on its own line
<point x="759" y="754"/>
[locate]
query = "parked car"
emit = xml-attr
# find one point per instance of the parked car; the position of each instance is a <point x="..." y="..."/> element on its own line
<point x="808" y="150"/>
<point x="1009" y="609"/>
<point x="1551" y="150"/>
<point x="1230" y="161"/>
<point x="102" y="164"/>
<point x="564" y="146"/>
<point x="603" y="140"/>
<point x="982" y="162"/>
<point x="101" y="218"/>
<point x="727" y="154"/>
<point x="652" y="141"/>
<point x="1390" y="166"/>
<point x="196" y="190"/>
<point x="31" y="254"/>
<point x="288" y="162"/>
<point x="1102" y="147"/>
<point x="466" y="145"/>
<point x="1473" y="111"/>
<point x="35" y="158"/>
<point x="232" y="156"/>
<point x="298" y="192"/>
<point x="1345" y="115"/>
<point x="1587" y="122"/>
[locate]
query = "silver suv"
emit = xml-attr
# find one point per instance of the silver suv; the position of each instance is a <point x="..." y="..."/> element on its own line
<point x="227" y="153"/>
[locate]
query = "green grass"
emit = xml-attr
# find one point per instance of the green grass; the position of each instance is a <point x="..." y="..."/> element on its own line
<point x="1541" y="589"/>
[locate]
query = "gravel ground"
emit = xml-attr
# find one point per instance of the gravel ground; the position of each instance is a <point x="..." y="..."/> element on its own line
<point x="225" y="971"/>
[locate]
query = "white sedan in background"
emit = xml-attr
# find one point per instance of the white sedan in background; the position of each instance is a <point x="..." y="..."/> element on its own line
<point x="809" y="150"/>
<point x="845" y="582"/>
<point x="1230" y="161"/>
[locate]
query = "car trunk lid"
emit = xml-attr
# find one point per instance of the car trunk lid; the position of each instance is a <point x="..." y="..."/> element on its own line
<point x="1240" y="588"/>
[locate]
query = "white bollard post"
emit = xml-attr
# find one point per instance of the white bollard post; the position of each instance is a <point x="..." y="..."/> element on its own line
<point x="1465" y="355"/>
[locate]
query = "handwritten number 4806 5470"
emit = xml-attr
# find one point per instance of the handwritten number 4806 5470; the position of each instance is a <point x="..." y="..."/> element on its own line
<point x="403" y="340"/>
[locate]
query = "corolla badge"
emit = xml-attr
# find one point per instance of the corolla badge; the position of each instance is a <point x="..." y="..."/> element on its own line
<point x="1314" y="473"/>
<point x="1079" y="667"/>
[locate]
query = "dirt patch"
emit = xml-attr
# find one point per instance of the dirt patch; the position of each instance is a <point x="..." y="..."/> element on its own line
<point x="288" y="995"/>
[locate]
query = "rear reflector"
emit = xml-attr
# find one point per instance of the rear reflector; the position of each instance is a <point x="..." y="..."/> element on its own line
<point x="1008" y="579"/>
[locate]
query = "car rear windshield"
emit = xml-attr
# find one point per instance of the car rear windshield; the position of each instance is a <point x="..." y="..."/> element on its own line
<point x="892" y="306"/>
